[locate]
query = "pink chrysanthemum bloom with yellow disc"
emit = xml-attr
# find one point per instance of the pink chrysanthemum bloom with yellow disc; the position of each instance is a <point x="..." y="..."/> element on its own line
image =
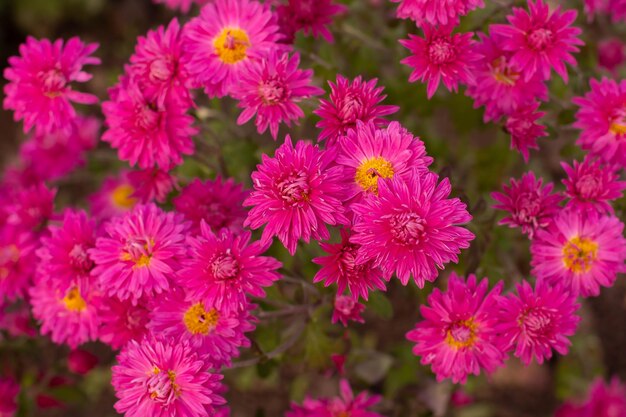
<point x="458" y="334"/>
<point x="536" y="321"/>
<point x="226" y="36"/>
<point x="216" y="334"/>
<point x="297" y="193"/>
<point x="140" y="252"/>
<point x="340" y="267"/>
<point x="157" y="378"/>
<point x="350" y="101"/>
<point x="441" y="56"/>
<point x="370" y="153"/>
<point x="39" y="90"/>
<point x="218" y="202"/>
<point x="581" y="251"/>
<point x="224" y="269"/>
<point x="590" y="185"/>
<point x="17" y="261"/>
<point x="436" y="12"/>
<point x="602" y="120"/>
<point x="540" y="39"/>
<point x="71" y="316"/>
<point x="271" y="88"/>
<point x="114" y="198"/>
<point x="411" y="228"/>
<point x="122" y="321"/>
<point x="530" y="204"/>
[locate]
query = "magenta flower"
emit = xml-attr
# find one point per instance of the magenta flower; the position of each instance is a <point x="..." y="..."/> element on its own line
<point x="370" y="154"/>
<point x="540" y="40"/>
<point x="114" y="198"/>
<point x="530" y="205"/>
<point x="39" y="90"/>
<point x="411" y="228"/>
<point x="224" y="268"/>
<point x="602" y="119"/>
<point x="29" y="208"/>
<point x="270" y="88"/>
<point x="590" y="186"/>
<point x="346" y="404"/>
<point x="437" y="12"/>
<point x="219" y="203"/>
<point x="340" y="267"/>
<point x="157" y="67"/>
<point x="458" y="334"/>
<point x="296" y="194"/>
<point x="347" y="308"/>
<point x="152" y="184"/>
<point x="71" y="317"/>
<point x="9" y="390"/>
<point x="122" y="321"/>
<point x="226" y="36"/>
<point x="611" y="54"/>
<point x="183" y="5"/>
<point x="63" y="255"/>
<point x="17" y="261"/>
<point x="534" y="322"/>
<point x="582" y="251"/>
<point x="311" y="17"/>
<point x="499" y="85"/>
<point x="441" y="56"/>
<point x="156" y="378"/>
<point x="602" y="400"/>
<point x="145" y="132"/>
<point x="522" y="125"/>
<point x="349" y="102"/>
<point x="215" y="334"/>
<point x="140" y="252"/>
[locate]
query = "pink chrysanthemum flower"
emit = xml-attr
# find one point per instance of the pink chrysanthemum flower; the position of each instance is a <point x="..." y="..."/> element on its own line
<point x="441" y="56"/>
<point x="347" y="308"/>
<point x="156" y="64"/>
<point x="309" y="16"/>
<point x="530" y="205"/>
<point x="17" y="261"/>
<point x="437" y="12"/>
<point x="226" y="36"/>
<point x="411" y="228"/>
<point x="164" y="378"/>
<point x="140" y="252"/>
<point x="499" y="85"/>
<point x="219" y="203"/>
<point x="114" y="198"/>
<point x="370" y="154"/>
<point x="71" y="316"/>
<point x="216" y="334"/>
<point x="616" y="9"/>
<point x="145" y="132"/>
<point x="350" y="101"/>
<point x="611" y="54"/>
<point x="151" y="184"/>
<point x="296" y="194"/>
<point x="30" y="207"/>
<point x="270" y="88"/>
<point x="183" y="5"/>
<point x="39" y="90"/>
<point x="122" y="321"/>
<point x="344" y="405"/>
<point x="582" y="251"/>
<point x="458" y="334"/>
<point x="540" y="40"/>
<point x="534" y="322"/>
<point x="9" y="390"/>
<point x="590" y="186"/>
<point x="63" y="255"/>
<point x="340" y="267"/>
<point x="602" y="119"/>
<point x="524" y="130"/>
<point x="224" y="268"/>
<point x="603" y="400"/>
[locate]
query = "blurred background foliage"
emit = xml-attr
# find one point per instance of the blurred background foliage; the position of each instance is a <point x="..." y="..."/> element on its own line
<point x="291" y="353"/>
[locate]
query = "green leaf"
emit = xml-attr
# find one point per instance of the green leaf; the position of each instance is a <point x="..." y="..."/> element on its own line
<point x="380" y="305"/>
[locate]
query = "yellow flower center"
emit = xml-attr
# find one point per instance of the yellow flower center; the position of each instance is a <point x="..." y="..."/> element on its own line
<point x="121" y="196"/>
<point x="502" y="74"/>
<point x="163" y="387"/>
<point x="199" y="321"/>
<point x="618" y="128"/>
<point x="579" y="254"/>
<point x="462" y="334"/>
<point x="8" y="255"/>
<point x="231" y="45"/>
<point x="73" y="300"/>
<point x="370" y="170"/>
